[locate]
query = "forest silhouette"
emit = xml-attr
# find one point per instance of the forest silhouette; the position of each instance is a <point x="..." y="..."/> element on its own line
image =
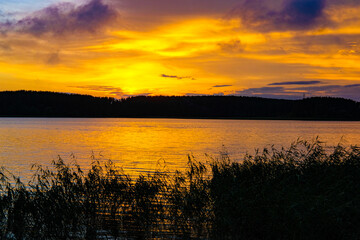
<point x="52" y="104"/>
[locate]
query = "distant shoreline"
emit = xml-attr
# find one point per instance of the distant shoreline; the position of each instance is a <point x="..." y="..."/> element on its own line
<point x="32" y="104"/>
<point x="190" y="118"/>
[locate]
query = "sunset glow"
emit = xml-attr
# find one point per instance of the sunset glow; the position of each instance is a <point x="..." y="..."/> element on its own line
<point x="278" y="49"/>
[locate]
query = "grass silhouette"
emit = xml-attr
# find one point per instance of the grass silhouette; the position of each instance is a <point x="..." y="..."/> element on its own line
<point x="302" y="192"/>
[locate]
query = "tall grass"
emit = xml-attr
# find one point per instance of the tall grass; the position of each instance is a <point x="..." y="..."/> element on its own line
<point x="302" y="192"/>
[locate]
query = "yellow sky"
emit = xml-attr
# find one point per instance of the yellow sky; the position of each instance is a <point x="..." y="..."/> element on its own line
<point x="187" y="54"/>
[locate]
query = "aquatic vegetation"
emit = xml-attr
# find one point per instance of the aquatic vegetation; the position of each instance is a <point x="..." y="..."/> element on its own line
<point x="306" y="191"/>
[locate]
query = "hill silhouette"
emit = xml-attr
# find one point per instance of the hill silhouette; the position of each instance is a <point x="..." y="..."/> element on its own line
<point x="51" y="104"/>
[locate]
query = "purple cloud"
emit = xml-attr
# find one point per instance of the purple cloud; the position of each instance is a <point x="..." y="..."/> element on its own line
<point x="295" y="83"/>
<point x="114" y="91"/>
<point x="220" y="86"/>
<point x="353" y="85"/>
<point x="100" y="88"/>
<point x="66" y="18"/>
<point x="195" y="94"/>
<point x="135" y="95"/>
<point x="343" y="91"/>
<point x="177" y="77"/>
<point x="156" y="8"/>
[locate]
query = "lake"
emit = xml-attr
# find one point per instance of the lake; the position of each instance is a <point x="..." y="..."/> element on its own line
<point x="139" y="145"/>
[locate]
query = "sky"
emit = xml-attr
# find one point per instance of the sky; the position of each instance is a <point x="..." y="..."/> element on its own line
<point x="119" y="48"/>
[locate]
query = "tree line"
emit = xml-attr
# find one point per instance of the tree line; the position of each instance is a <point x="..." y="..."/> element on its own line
<point x="52" y="104"/>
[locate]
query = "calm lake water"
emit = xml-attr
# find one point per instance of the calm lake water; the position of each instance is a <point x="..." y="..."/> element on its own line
<point x="138" y="145"/>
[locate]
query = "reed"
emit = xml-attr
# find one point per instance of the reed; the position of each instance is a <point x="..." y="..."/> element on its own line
<point x="305" y="191"/>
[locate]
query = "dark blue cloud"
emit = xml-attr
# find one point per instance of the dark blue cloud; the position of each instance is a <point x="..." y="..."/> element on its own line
<point x="292" y="15"/>
<point x="295" y="83"/>
<point x="302" y="13"/>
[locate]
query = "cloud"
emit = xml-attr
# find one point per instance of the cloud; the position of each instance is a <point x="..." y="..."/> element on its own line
<point x="295" y="83"/>
<point x="262" y="90"/>
<point x="220" y="86"/>
<point x="344" y="91"/>
<point x="233" y="46"/>
<point x="2" y="15"/>
<point x="345" y="44"/>
<point x="302" y="13"/>
<point x="136" y="95"/>
<point x="111" y="91"/>
<point x="65" y="18"/>
<point x="53" y="59"/>
<point x="195" y="94"/>
<point x="108" y="90"/>
<point x="270" y="92"/>
<point x="5" y="46"/>
<point x="353" y="85"/>
<point x="100" y="88"/>
<point x="158" y="8"/>
<point x="6" y="16"/>
<point x="177" y="77"/>
<point x="286" y="15"/>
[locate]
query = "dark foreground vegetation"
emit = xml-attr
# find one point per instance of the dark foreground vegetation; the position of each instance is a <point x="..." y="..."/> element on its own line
<point x="49" y="104"/>
<point x="302" y="192"/>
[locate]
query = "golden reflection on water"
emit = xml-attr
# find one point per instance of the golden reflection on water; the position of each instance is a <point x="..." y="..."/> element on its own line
<point x="138" y="145"/>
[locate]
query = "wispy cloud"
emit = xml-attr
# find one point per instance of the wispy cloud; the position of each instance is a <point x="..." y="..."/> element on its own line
<point x="115" y="92"/>
<point x="295" y="83"/>
<point x="233" y="46"/>
<point x="195" y="94"/>
<point x="53" y="59"/>
<point x="220" y="86"/>
<point x="345" y="91"/>
<point x="136" y="95"/>
<point x="353" y="85"/>
<point x="100" y="88"/>
<point x="177" y="77"/>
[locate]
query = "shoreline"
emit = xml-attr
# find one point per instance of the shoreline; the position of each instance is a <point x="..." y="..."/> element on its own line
<point x="190" y="118"/>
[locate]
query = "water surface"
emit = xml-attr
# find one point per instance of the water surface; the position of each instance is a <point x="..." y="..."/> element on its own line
<point x="138" y="145"/>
